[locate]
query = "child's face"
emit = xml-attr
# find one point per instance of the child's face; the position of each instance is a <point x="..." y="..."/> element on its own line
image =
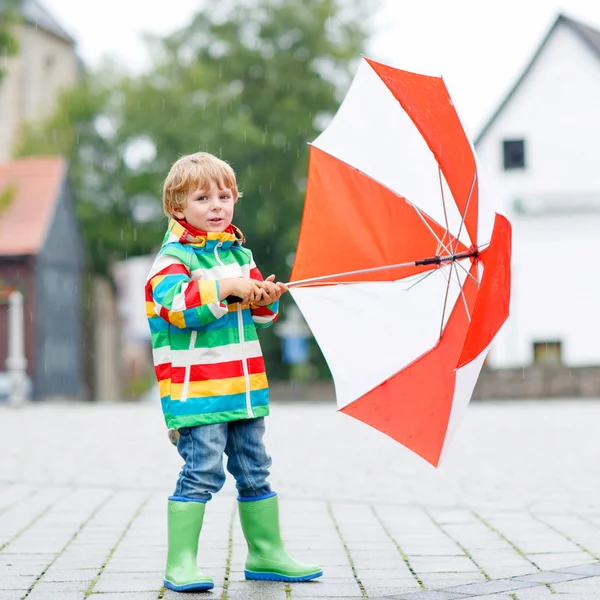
<point x="209" y="209"/>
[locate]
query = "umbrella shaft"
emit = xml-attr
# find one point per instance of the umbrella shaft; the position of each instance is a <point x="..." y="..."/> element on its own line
<point x="434" y="260"/>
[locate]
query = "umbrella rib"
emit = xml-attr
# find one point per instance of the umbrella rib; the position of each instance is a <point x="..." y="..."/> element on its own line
<point x="443" y="202"/>
<point x="422" y="279"/>
<point x="462" y="221"/>
<point x="449" y="279"/>
<point x="430" y="229"/>
<point x="445" y="303"/>
<point x="468" y="273"/>
<point x="462" y="293"/>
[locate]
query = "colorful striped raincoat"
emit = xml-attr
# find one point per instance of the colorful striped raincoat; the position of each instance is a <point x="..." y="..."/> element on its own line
<point x="207" y="356"/>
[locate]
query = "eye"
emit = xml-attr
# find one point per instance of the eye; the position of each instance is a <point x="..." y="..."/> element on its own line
<point x="225" y="196"/>
<point x="201" y="198"/>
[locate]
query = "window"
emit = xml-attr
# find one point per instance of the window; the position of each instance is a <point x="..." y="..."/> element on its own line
<point x="547" y="353"/>
<point x="514" y="154"/>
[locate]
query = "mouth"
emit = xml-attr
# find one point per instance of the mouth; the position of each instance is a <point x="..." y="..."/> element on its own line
<point x="216" y="220"/>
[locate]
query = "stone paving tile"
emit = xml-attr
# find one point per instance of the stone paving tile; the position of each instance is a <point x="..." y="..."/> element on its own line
<point x="385" y="592"/>
<point x="386" y="562"/>
<point x="433" y="595"/>
<point x="504" y="572"/>
<point x="325" y="590"/>
<point x="11" y="594"/>
<point x="507" y="557"/>
<point x="582" y="585"/>
<point x="254" y="590"/>
<point x="548" y="562"/>
<point x="378" y="574"/>
<point x="593" y="570"/>
<point x="359" y="597"/>
<point x="63" y="587"/>
<point x="447" y="564"/>
<point x="345" y="571"/>
<point x="403" y="584"/>
<point x="577" y="596"/>
<point x="495" y="597"/>
<point x="129" y="582"/>
<point x="132" y="596"/>
<point x="136" y="565"/>
<point x="540" y="592"/>
<point x="548" y="577"/>
<point x="69" y="575"/>
<point x="490" y="587"/>
<point x="16" y="582"/>
<point x="42" y="594"/>
<point x="442" y="580"/>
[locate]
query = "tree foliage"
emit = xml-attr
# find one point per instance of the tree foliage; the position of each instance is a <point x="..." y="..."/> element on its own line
<point x="252" y="81"/>
<point x="9" y="18"/>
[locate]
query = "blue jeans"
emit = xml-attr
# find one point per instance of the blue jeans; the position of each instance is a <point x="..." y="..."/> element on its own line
<point x="202" y="449"/>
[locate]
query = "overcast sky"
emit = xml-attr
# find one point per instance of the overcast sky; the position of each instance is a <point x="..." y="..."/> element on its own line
<point x="478" y="46"/>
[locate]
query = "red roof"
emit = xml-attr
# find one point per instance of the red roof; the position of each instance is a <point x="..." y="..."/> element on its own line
<point x="25" y="221"/>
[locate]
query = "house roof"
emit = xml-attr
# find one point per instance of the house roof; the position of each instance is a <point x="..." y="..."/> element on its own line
<point x="31" y="187"/>
<point x="589" y="35"/>
<point x="33" y="12"/>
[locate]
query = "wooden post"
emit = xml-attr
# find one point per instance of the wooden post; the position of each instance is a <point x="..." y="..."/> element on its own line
<point x="16" y="363"/>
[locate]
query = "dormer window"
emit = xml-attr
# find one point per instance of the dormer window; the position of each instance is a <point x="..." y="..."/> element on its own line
<point x="514" y="154"/>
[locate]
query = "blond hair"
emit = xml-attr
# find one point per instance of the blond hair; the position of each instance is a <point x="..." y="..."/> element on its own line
<point x="194" y="171"/>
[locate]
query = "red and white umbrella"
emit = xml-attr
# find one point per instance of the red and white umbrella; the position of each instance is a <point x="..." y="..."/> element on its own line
<point x="402" y="269"/>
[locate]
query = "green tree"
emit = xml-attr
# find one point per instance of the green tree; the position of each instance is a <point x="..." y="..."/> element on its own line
<point x="84" y="129"/>
<point x="252" y="81"/>
<point x="9" y="17"/>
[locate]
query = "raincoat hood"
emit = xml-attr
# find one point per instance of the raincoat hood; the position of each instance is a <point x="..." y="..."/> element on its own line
<point x="183" y="233"/>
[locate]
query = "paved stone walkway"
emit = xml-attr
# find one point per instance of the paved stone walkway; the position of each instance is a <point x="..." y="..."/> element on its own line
<point x="512" y="513"/>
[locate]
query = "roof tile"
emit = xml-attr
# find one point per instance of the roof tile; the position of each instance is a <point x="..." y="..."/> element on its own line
<point x="25" y="221"/>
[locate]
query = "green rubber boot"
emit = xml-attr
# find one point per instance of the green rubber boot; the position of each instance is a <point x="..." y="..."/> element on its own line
<point x="267" y="559"/>
<point x="184" y="523"/>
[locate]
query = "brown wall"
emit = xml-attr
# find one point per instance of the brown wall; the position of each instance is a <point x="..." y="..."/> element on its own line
<point x="22" y="272"/>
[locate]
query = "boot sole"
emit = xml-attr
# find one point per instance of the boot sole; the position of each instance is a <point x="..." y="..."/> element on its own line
<point x="277" y="577"/>
<point x="201" y="586"/>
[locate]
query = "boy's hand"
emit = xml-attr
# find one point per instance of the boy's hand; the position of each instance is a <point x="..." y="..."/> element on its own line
<point x="249" y="290"/>
<point x="271" y="292"/>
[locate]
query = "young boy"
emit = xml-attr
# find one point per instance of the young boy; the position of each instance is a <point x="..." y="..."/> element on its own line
<point x="205" y="299"/>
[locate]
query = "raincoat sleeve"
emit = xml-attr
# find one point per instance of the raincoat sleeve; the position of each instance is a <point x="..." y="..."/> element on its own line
<point x="179" y="299"/>
<point x="263" y="316"/>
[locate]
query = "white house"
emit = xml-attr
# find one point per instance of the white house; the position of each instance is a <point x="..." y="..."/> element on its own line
<point x="540" y="153"/>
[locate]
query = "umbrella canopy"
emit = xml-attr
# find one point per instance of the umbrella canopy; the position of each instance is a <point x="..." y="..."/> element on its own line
<point x="402" y="269"/>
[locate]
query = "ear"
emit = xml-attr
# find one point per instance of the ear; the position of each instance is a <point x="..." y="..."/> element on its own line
<point x="178" y="215"/>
